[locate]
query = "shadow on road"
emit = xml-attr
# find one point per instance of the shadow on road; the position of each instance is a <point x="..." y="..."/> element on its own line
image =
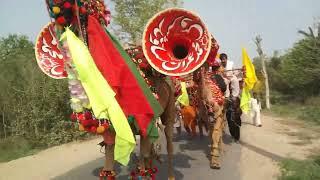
<point x="199" y="143"/>
<point x="262" y="151"/>
<point x="247" y="123"/>
<point x="91" y="169"/>
<point x="180" y="161"/>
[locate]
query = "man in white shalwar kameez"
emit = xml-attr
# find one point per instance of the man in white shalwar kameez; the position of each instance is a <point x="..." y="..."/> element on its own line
<point x="255" y="110"/>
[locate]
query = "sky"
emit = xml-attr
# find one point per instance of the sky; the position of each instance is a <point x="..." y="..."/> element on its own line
<point x="233" y="23"/>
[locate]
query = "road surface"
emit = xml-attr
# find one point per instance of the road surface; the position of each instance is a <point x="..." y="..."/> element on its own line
<point x="256" y="158"/>
<point x="190" y="162"/>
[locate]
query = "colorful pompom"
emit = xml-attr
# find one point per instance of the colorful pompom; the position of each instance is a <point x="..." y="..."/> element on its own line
<point x="85" y="123"/>
<point x="87" y="115"/>
<point x="61" y="20"/>
<point x="95" y="123"/>
<point x="93" y="129"/>
<point x="56" y="10"/>
<point x="83" y="10"/>
<point x="67" y="5"/>
<point x="101" y="129"/>
<point x="81" y="117"/>
<point x="81" y="128"/>
<point x="106" y="125"/>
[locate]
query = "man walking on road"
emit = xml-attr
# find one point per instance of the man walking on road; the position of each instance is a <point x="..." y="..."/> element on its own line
<point x="255" y="110"/>
<point x="232" y="105"/>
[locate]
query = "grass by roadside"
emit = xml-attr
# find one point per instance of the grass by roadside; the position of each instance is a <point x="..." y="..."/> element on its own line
<point x="307" y="117"/>
<point x="309" y="113"/>
<point x="16" y="147"/>
<point x="300" y="169"/>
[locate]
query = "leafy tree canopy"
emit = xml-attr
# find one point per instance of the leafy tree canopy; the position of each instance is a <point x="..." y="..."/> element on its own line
<point x="132" y="16"/>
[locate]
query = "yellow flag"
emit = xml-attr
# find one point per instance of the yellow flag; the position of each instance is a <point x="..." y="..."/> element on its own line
<point x="184" y="98"/>
<point x="250" y="80"/>
<point x="251" y="77"/>
<point x="245" y="100"/>
<point x="101" y="96"/>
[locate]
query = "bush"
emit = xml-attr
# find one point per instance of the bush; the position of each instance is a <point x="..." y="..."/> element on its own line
<point x="34" y="107"/>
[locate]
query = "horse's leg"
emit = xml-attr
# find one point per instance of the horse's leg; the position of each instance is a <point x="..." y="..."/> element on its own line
<point x="206" y="127"/>
<point x="109" y="157"/>
<point x="145" y="153"/>
<point x="108" y="168"/>
<point x="167" y="101"/>
<point x="169" y="134"/>
<point x="200" y="125"/>
<point x="178" y="130"/>
<point x="168" y="119"/>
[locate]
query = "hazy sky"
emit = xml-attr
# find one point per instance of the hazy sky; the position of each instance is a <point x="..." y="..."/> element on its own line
<point x="234" y="23"/>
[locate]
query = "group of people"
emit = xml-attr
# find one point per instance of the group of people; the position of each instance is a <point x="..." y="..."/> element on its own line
<point x="230" y="85"/>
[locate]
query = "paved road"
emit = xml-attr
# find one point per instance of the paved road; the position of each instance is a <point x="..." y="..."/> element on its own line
<point x="190" y="161"/>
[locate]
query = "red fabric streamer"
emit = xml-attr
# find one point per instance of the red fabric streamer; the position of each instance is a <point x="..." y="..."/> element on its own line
<point x="115" y="70"/>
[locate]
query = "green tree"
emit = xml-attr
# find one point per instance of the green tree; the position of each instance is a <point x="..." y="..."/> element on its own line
<point x="278" y="86"/>
<point x="301" y="65"/>
<point x="311" y="34"/>
<point x="32" y="105"/>
<point x="132" y="16"/>
<point x="295" y="74"/>
<point x="301" y="68"/>
<point x="276" y="80"/>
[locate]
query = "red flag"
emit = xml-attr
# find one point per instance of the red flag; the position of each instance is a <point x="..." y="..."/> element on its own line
<point x="114" y="69"/>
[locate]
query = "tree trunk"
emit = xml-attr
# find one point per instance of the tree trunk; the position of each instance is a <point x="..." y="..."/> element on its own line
<point x="258" y="40"/>
<point x="266" y="82"/>
<point x="36" y="130"/>
<point x="4" y="126"/>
